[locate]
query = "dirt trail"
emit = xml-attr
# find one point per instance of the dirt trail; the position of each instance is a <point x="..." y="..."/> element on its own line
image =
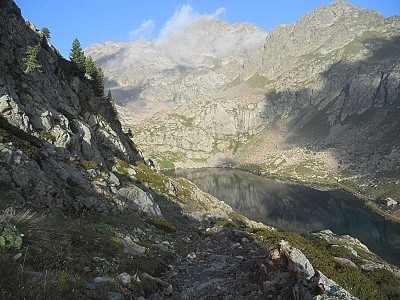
<point x="217" y="263"/>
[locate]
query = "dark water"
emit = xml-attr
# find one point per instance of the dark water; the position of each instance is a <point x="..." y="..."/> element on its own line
<point x="299" y="208"/>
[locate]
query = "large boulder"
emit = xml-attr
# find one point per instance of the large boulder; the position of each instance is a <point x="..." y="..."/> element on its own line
<point x="139" y="199"/>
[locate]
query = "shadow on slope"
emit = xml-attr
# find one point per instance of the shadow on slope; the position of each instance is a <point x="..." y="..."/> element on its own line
<point x="355" y="113"/>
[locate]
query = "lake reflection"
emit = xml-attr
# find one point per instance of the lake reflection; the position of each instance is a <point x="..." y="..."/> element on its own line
<point x="298" y="208"/>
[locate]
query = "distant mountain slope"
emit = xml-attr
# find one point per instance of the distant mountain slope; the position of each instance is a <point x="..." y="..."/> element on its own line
<point x="156" y="76"/>
<point x="322" y="93"/>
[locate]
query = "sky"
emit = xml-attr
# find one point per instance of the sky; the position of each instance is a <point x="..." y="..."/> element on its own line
<point x="97" y="21"/>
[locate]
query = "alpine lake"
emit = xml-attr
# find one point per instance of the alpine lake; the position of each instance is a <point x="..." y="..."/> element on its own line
<point x="294" y="207"/>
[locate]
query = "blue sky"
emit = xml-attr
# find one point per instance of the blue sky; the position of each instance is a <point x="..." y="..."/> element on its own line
<point x="96" y="21"/>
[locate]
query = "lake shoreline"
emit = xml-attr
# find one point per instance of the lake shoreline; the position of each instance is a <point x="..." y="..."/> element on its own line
<point x="369" y="202"/>
<point x="350" y="204"/>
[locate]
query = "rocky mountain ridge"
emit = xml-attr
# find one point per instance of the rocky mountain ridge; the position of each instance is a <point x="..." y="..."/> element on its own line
<point x="300" y="100"/>
<point x="321" y="31"/>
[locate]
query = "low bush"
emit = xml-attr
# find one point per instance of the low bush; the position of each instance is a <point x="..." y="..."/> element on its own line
<point x="162" y="224"/>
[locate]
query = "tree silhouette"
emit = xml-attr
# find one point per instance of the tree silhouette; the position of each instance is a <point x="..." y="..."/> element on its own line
<point x="78" y="59"/>
<point x="98" y="81"/>
<point x="46" y="33"/>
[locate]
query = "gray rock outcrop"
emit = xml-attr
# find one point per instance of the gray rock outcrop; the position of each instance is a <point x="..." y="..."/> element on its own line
<point x="58" y="141"/>
<point x="131" y="248"/>
<point x="137" y="197"/>
<point x="288" y="274"/>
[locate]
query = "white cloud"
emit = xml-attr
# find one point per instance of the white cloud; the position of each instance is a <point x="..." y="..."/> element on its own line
<point x="183" y="16"/>
<point x="144" y="31"/>
<point x="220" y="12"/>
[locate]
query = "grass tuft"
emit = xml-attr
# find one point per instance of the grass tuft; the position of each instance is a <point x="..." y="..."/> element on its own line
<point x="31" y="225"/>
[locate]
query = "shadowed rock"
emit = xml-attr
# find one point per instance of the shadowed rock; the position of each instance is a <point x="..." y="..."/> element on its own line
<point x="288" y="274"/>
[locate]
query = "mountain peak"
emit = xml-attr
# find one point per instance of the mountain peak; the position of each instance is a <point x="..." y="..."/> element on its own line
<point x="343" y="8"/>
<point x="341" y="3"/>
<point x="324" y="29"/>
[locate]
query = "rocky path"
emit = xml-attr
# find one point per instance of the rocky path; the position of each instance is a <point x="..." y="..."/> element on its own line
<point x="226" y="263"/>
<point x="217" y="263"/>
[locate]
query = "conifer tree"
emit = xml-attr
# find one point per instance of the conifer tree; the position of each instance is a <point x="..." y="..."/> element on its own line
<point x="90" y="66"/>
<point x="46" y="33"/>
<point x="98" y="81"/>
<point x="30" y="59"/>
<point x="96" y="76"/>
<point x="77" y="58"/>
<point x="111" y="100"/>
<point x="109" y="97"/>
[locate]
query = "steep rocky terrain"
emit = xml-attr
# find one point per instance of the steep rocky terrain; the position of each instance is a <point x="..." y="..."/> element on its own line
<point x="83" y="215"/>
<point x="318" y="102"/>
<point x="59" y="143"/>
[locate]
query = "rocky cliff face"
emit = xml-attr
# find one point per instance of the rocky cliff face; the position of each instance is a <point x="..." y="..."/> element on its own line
<point x="58" y="142"/>
<point x="338" y="94"/>
<point x="322" y="31"/>
<point x="302" y="98"/>
<point x="337" y="57"/>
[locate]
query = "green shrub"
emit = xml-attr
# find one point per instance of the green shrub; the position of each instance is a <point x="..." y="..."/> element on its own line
<point x="10" y="237"/>
<point x="47" y="136"/>
<point x="18" y="137"/>
<point x="89" y="164"/>
<point x="121" y="166"/>
<point x="225" y="223"/>
<point x="154" y="179"/>
<point x="104" y="267"/>
<point x="162" y="224"/>
<point x="30" y="59"/>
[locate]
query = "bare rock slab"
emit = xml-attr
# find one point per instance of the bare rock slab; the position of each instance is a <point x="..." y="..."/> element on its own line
<point x="130" y="247"/>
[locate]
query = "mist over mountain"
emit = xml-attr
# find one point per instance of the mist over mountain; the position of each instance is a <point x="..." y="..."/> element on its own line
<point x="185" y="64"/>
